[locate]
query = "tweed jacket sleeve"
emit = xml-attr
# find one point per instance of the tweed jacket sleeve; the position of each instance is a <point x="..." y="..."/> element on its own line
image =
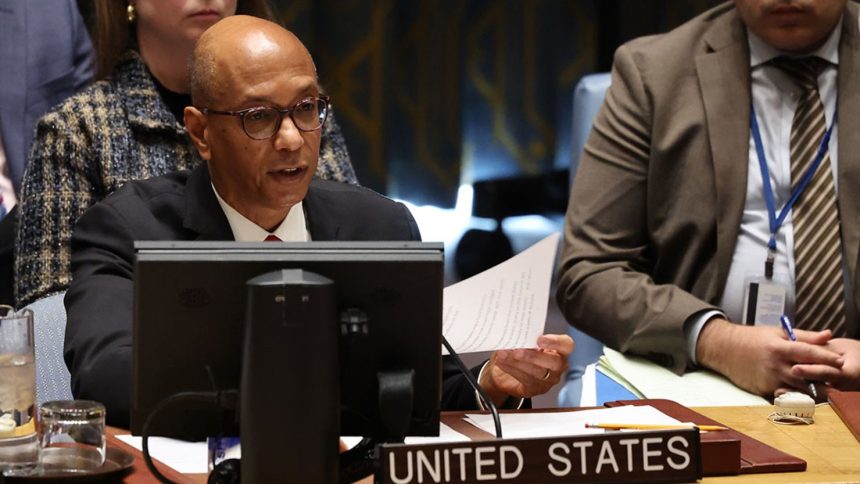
<point x="60" y="183"/>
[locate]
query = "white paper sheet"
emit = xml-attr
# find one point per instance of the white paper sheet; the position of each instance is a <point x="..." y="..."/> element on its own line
<point x="589" y="387"/>
<point x="701" y="388"/>
<point x="503" y="307"/>
<point x="558" y="424"/>
<point x="185" y="457"/>
<point x="192" y="457"/>
<point x="446" y="434"/>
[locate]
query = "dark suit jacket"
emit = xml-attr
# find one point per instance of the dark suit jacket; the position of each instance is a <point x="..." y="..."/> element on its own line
<point x="657" y="202"/>
<point x="8" y="224"/>
<point x="182" y="206"/>
<point x="46" y="56"/>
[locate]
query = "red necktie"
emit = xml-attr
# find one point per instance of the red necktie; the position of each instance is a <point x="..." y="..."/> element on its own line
<point x="272" y="238"/>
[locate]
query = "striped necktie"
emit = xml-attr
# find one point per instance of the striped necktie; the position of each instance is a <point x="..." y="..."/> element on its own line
<point x="819" y="294"/>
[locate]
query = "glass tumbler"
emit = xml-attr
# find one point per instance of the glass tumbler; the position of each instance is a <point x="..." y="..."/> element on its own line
<point x="72" y="436"/>
<point x="19" y="444"/>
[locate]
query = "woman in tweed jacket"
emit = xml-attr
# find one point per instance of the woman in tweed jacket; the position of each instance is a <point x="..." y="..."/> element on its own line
<point x="118" y="129"/>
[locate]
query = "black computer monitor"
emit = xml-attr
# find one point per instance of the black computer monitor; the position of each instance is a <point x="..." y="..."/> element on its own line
<point x="190" y="308"/>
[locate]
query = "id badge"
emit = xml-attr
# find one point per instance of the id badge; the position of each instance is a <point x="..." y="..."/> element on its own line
<point x="764" y="302"/>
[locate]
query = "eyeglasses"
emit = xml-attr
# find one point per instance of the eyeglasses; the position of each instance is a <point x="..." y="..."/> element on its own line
<point x="262" y="122"/>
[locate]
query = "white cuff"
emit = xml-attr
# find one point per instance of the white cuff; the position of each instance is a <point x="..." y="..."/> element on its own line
<point x="693" y="327"/>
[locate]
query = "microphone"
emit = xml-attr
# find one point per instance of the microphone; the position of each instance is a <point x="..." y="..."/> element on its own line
<point x="487" y="401"/>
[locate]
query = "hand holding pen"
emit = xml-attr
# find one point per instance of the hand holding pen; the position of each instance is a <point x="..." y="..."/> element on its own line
<point x="786" y="326"/>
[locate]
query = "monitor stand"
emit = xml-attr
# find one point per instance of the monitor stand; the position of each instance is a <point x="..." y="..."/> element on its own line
<point x="290" y="385"/>
<point x="290" y="394"/>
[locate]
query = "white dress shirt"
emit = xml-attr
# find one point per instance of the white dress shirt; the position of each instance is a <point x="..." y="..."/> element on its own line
<point x="775" y="97"/>
<point x="292" y="229"/>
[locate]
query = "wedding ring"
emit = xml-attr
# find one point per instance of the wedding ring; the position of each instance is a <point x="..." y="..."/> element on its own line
<point x="546" y="375"/>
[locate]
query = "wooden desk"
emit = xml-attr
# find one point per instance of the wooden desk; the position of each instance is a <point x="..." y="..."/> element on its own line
<point x="830" y="450"/>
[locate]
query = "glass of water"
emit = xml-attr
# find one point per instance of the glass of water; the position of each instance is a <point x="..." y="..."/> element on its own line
<point x="72" y="436"/>
<point x="19" y="444"/>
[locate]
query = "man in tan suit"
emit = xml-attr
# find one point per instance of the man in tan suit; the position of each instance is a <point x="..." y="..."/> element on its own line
<point x="668" y="225"/>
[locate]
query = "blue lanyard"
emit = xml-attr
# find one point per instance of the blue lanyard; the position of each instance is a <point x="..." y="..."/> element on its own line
<point x="774" y="220"/>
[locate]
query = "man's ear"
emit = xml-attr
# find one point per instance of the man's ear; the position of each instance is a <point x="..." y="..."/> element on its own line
<point x="197" y="125"/>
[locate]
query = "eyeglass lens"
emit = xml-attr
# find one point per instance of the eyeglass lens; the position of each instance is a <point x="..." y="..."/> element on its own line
<point x="308" y="115"/>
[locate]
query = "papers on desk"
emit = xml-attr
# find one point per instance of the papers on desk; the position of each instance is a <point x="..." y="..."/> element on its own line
<point x="446" y="435"/>
<point x="557" y="424"/>
<point x="193" y="457"/>
<point x="647" y="379"/>
<point x="185" y="457"/>
<point x="503" y="307"/>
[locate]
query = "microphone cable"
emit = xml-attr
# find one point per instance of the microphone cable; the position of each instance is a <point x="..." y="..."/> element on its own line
<point x="222" y="399"/>
<point x="486" y="400"/>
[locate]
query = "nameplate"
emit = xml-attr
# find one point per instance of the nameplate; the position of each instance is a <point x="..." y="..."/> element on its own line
<point x="647" y="456"/>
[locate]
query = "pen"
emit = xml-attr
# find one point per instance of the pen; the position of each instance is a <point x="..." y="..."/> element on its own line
<point x="786" y="326"/>
<point x="621" y="426"/>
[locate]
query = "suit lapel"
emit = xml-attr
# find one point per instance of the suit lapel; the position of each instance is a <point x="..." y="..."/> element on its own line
<point x="724" y="79"/>
<point x="203" y="214"/>
<point x="849" y="139"/>
<point x="318" y="213"/>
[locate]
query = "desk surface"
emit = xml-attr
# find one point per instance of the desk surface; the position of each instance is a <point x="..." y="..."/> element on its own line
<point x="830" y="450"/>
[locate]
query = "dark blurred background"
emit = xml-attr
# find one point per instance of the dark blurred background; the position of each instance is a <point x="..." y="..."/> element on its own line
<point x="433" y="94"/>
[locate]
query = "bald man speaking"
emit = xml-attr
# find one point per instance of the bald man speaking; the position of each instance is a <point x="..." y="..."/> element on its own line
<point x="258" y="109"/>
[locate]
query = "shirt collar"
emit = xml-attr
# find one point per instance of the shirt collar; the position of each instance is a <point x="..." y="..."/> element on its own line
<point x="291" y="229"/>
<point x="761" y="51"/>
